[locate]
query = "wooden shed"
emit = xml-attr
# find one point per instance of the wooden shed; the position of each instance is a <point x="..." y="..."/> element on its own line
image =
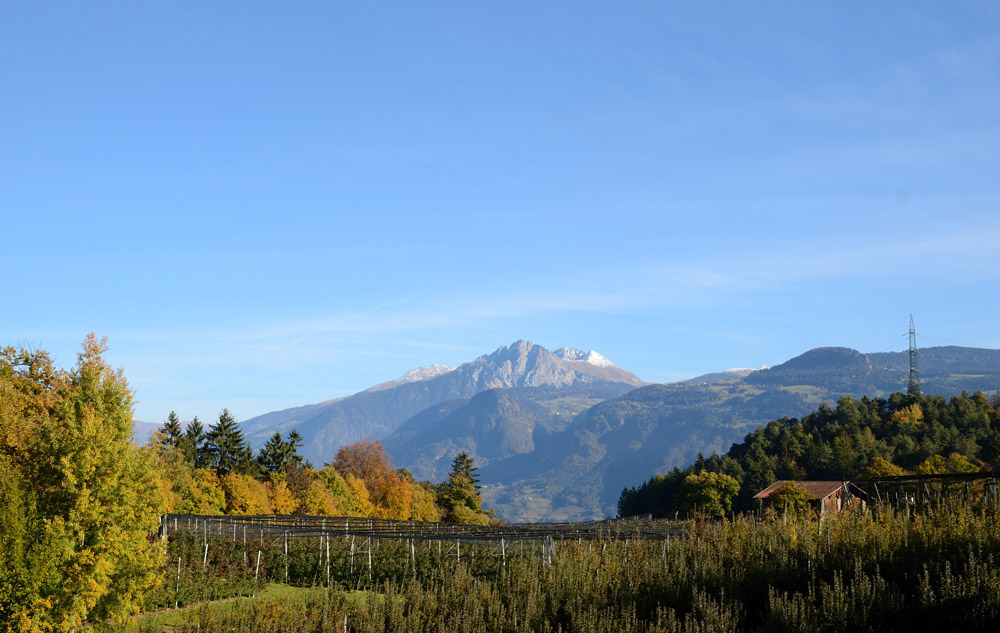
<point x="827" y="496"/>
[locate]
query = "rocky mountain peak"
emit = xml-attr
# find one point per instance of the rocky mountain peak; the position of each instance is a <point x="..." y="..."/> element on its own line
<point x="525" y="364"/>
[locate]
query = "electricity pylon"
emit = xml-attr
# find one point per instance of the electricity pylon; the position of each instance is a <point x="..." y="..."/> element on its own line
<point x="913" y="389"/>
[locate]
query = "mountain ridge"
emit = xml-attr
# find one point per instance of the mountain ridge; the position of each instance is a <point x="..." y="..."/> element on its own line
<point x="375" y="413"/>
<point x="557" y="435"/>
<point x="578" y="473"/>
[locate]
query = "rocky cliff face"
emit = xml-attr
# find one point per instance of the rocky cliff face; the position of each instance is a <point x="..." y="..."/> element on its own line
<point x="525" y="364"/>
<point x="377" y="412"/>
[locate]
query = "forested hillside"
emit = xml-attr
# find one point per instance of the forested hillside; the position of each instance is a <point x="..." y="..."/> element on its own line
<point x="858" y="437"/>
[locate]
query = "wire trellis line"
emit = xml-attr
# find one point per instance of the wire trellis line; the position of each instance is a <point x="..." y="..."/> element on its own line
<point x="237" y="527"/>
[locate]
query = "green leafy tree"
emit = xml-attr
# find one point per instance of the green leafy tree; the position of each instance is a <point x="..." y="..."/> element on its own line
<point x="790" y="498"/>
<point x="423" y="507"/>
<point x="709" y="492"/>
<point x="81" y="537"/>
<point x="881" y="467"/>
<point x="938" y="465"/>
<point x="338" y="488"/>
<point x="19" y="574"/>
<point x="174" y="469"/>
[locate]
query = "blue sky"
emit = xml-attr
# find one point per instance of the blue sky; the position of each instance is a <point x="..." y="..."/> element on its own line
<point x="265" y="205"/>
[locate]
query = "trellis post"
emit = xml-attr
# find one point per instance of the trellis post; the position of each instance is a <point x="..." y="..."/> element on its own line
<point x="177" y="587"/>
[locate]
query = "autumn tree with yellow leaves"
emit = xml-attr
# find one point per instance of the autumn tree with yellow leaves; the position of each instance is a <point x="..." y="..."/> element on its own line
<point x="79" y="499"/>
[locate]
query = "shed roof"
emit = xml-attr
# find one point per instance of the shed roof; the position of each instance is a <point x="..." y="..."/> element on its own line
<point x="816" y="489"/>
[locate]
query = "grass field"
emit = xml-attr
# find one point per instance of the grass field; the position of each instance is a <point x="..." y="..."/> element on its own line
<point x="190" y="616"/>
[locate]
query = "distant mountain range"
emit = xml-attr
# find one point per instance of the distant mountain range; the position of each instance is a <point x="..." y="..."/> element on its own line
<point x="564" y="382"/>
<point x="558" y="434"/>
<point x="142" y="431"/>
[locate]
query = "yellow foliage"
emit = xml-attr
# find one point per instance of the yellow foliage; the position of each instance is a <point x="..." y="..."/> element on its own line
<point x="912" y="415"/>
<point x="955" y="463"/>
<point x="245" y="495"/>
<point x="363" y="506"/>
<point x="933" y="465"/>
<point x="465" y="514"/>
<point x="423" y="508"/>
<point x="343" y="497"/>
<point x="398" y="499"/>
<point x="172" y="472"/>
<point x="881" y="467"/>
<point x="281" y="498"/>
<point x="205" y="495"/>
<point x="315" y="499"/>
<point x="97" y="495"/>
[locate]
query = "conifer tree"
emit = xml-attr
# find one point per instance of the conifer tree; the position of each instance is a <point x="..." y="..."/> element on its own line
<point x="227" y="448"/>
<point x="462" y="466"/>
<point x="195" y="445"/>
<point x="172" y="430"/>
<point x="293" y="444"/>
<point x="271" y="457"/>
<point x="278" y="454"/>
<point x="459" y="494"/>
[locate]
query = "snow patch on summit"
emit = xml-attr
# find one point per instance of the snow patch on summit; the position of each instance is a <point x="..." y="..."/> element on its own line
<point x="425" y="373"/>
<point x="592" y="357"/>
<point x="414" y="375"/>
<point x="596" y="359"/>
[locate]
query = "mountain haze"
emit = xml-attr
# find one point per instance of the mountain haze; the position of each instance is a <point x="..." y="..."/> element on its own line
<point x="491" y="426"/>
